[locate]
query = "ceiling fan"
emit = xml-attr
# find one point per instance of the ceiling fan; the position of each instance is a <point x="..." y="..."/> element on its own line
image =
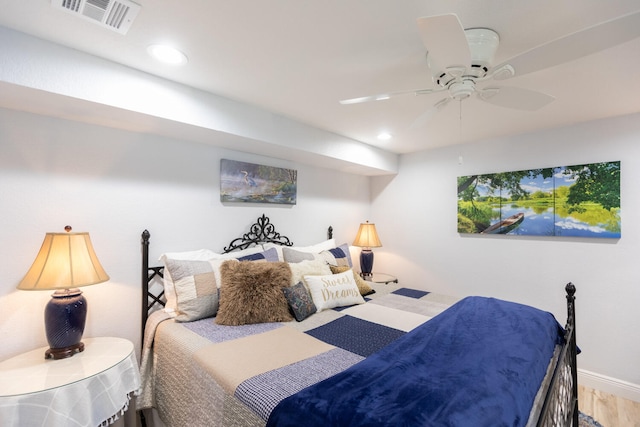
<point x="461" y="61"/>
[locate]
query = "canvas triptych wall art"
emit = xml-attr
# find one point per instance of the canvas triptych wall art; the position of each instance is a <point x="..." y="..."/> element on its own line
<point x="252" y="183"/>
<point x="568" y="201"/>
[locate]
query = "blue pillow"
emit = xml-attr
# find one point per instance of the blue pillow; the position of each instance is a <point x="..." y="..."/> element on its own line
<point x="270" y="255"/>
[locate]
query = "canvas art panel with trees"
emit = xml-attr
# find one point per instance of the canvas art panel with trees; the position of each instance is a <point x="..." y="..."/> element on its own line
<point x="569" y="201"/>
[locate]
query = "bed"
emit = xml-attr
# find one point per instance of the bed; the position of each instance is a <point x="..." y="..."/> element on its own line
<point x="390" y="355"/>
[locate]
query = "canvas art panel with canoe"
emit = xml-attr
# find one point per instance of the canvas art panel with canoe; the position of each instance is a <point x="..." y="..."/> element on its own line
<point x="569" y="201"/>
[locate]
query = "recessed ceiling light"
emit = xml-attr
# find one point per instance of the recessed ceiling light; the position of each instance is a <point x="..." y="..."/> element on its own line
<point x="384" y="136"/>
<point x="167" y="54"/>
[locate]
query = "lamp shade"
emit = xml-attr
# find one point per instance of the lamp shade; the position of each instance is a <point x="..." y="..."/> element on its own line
<point x="367" y="236"/>
<point x="65" y="260"/>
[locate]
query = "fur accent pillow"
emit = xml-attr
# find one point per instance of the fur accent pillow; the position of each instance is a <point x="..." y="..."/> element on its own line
<point x="251" y="292"/>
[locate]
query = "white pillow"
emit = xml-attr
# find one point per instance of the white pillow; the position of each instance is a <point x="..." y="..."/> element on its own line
<point x="199" y="255"/>
<point x="313" y="267"/>
<point x="334" y="290"/>
<point x="317" y="248"/>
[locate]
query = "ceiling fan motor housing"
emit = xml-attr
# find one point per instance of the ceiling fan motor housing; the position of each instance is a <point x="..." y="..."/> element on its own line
<point x="483" y="44"/>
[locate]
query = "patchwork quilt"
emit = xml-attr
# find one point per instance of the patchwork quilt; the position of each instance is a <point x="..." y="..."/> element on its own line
<point x="201" y="373"/>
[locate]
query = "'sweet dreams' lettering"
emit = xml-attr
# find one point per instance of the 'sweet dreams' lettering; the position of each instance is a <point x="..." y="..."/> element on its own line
<point x="329" y="292"/>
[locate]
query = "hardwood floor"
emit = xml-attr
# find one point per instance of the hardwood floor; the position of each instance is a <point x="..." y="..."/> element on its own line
<point x="608" y="409"/>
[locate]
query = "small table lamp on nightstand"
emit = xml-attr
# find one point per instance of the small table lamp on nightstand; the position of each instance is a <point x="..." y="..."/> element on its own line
<point x="65" y="262"/>
<point x="367" y="238"/>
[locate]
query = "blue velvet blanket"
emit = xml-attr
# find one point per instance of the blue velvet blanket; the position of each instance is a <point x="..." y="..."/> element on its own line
<point x="479" y="363"/>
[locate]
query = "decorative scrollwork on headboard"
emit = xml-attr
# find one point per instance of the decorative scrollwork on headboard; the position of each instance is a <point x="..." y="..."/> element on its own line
<point x="262" y="231"/>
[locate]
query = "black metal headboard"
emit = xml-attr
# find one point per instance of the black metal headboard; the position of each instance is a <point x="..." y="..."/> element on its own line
<point x="262" y="231"/>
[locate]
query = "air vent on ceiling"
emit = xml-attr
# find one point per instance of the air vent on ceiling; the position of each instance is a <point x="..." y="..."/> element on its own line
<point x="117" y="15"/>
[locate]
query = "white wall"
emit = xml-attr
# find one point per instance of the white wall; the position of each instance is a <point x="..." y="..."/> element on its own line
<point x="114" y="184"/>
<point x="416" y="218"/>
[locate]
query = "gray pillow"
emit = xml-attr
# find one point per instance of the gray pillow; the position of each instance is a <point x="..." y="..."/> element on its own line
<point x="337" y="256"/>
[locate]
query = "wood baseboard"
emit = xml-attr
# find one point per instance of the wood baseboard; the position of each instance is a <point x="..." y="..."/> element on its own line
<point x="610" y="385"/>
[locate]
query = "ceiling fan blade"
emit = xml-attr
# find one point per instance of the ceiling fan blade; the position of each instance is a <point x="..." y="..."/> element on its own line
<point x="577" y="45"/>
<point x="446" y="43"/>
<point x="425" y="117"/>
<point x="515" y="97"/>
<point x="383" y="96"/>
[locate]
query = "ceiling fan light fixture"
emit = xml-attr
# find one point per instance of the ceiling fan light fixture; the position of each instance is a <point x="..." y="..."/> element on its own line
<point x="462" y="90"/>
<point x="167" y="54"/>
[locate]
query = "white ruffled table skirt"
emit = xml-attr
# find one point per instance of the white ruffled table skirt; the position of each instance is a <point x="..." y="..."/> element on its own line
<point x="99" y="387"/>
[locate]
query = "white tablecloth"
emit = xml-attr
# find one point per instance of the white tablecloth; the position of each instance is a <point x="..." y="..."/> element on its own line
<point x="97" y="395"/>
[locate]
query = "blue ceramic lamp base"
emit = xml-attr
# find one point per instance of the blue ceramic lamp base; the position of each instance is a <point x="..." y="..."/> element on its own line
<point x="64" y="319"/>
<point x="366" y="262"/>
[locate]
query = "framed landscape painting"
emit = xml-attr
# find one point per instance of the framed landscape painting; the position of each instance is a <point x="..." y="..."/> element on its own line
<point x="253" y="183"/>
<point x="568" y="201"/>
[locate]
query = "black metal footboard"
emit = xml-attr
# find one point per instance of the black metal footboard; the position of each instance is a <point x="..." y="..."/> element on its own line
<point x="560" y="406"/>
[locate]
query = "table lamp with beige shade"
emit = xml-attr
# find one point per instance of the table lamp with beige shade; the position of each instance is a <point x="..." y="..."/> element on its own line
<point x="66" y="261"/>
<point x="367" y="238"/>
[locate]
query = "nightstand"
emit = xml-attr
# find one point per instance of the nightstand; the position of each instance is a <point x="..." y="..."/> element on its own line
<point x="381" y="278"/>
<point x="87" y="389"/>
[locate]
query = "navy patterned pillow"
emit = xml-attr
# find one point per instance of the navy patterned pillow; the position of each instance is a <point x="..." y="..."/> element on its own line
<point x="300" y="301"/>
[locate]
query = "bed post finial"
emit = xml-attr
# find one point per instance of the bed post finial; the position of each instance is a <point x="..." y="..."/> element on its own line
<point x="571" y="290"/>
<point x="571" y="300"/>
<point x="145" y="237"/>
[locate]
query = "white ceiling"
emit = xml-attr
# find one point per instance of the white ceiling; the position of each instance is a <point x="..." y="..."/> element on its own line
<point x="298" y="58"/>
